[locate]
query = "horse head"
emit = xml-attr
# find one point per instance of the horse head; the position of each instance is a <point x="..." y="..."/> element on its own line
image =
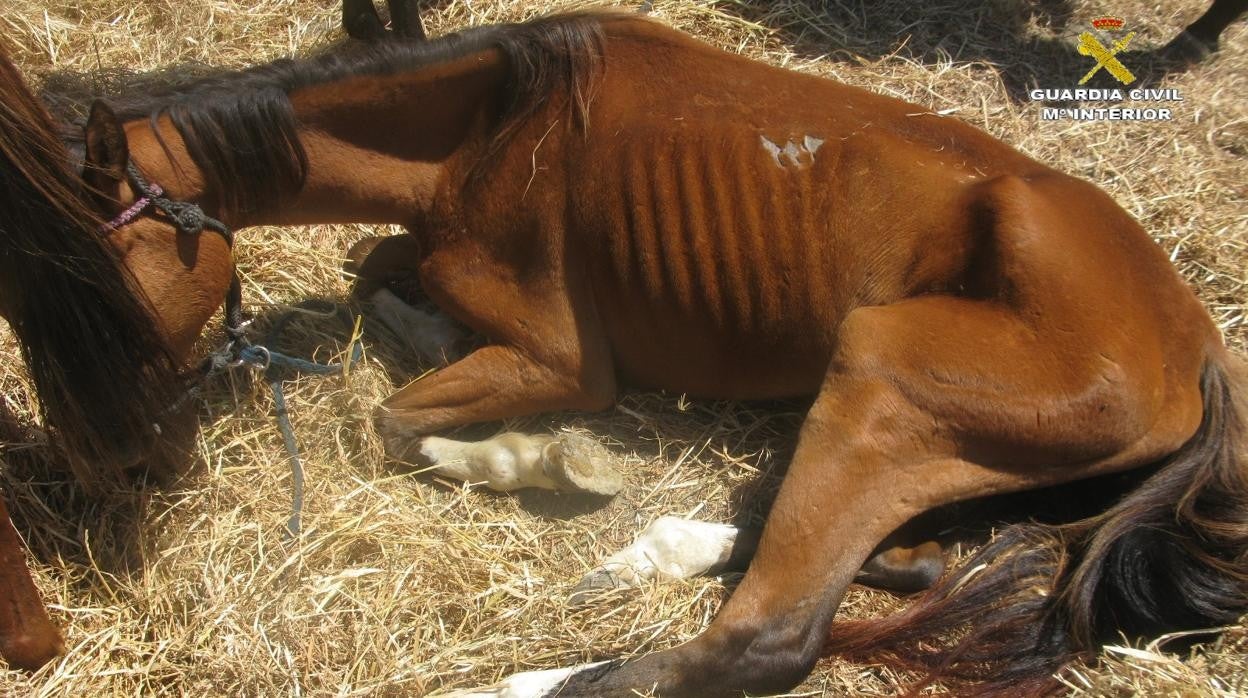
<point x="183" y="273"/>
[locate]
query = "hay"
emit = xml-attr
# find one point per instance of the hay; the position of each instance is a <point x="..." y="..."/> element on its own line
<point x="404" y="584"/>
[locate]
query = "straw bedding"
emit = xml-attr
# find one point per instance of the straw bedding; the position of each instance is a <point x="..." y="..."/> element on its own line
<point x="404" y="584"/>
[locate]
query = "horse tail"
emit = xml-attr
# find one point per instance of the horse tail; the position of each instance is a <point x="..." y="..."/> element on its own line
<point x="1172" y="554"/>
<point x="100" y="367"/>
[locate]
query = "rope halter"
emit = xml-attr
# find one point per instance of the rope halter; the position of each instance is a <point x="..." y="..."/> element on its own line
<point x="189" y="219"/>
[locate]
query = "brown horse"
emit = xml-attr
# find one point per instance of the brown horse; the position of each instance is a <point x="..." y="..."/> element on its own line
<point x="610" y="202"/>
<point x="104" y="377"/>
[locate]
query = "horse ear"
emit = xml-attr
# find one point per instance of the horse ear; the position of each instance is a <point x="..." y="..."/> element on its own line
<point x="405" y="19"/>
<point x="361" y="20"/>
<point x="107" y="152"/>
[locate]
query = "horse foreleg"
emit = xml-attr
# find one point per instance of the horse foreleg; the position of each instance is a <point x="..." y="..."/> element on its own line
<point x="28" y="640"/>
<point x="496" y="382"/>
<point x="565" y="462"/>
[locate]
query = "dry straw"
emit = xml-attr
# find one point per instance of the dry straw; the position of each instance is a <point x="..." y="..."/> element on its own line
<point x="404" y="584"/>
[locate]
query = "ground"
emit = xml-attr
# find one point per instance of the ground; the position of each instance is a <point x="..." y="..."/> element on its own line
<point x="404" y="584"/>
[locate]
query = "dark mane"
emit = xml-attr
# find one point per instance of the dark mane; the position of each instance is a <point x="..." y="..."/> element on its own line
<point x="103" y="375"/>
<point x="241" y="131"/>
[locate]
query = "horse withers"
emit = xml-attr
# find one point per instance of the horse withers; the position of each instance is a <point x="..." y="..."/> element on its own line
<point x="611" y="203"/>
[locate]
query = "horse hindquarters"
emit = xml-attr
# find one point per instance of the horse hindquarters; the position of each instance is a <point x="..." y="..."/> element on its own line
<point x="28" y="640"/>
<point x="934" y="400"/>
<point x="1171" y="555"/>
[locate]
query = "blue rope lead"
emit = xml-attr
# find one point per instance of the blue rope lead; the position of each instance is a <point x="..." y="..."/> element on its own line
<point x="294" y="523"/>
<point x="277" y="366"/>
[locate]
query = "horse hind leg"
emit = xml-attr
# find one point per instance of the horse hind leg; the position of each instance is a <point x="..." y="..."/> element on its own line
<point x="904" y="569"/>
<point x="912" y="416"/>
<point x="669" y="548"/>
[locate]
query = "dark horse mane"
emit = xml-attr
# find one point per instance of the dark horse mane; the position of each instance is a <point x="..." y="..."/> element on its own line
<point x="240" y="129"/>
<point x="104" y="377"/>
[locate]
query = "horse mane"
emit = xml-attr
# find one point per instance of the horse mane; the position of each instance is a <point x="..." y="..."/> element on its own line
<point x="240" y="129"/>
<point x="102" y="372"/>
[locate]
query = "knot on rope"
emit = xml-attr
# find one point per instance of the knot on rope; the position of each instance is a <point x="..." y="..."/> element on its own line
<point x="186" y="216"/>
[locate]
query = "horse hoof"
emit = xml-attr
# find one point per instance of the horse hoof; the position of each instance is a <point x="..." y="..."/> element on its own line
<point x="580" y="464"/>
<point x="593" y="584"/>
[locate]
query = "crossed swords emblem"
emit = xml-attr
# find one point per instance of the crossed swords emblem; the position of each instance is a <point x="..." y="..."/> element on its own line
<point x="1106" y="57"/>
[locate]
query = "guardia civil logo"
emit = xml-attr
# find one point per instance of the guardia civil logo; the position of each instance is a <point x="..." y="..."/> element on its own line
<point x="1106" y="57"/>
<point x="1105" y="44"/>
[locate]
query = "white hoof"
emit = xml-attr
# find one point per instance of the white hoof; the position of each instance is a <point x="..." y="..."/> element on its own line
<point x="512" y="461"/>
<point x="530" y="684"/>
<point x="669" y="548"/>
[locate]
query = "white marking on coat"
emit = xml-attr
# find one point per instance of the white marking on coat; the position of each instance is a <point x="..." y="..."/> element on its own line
<point x="797" y="155"/>
<point x="793" y="154"/>
<point x="771" y="148"/>
<point x="812" y="145"/>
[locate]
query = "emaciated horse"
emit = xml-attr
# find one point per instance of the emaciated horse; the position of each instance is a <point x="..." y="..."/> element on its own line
<point x="612" y="203"/>
<point x="104" y="377"/>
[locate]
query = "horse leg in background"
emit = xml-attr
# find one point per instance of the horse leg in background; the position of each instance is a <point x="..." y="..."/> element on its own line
<point x="1200" y="38"/>
<point x="676" y="548"/>
<point x="361" y="21"/>
<point x="405" y="19"/>
<point x="28" y="640"/>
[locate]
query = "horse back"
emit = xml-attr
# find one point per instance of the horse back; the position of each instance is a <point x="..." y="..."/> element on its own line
<point x="724" y="216"/>
<point x="733" y="213"/>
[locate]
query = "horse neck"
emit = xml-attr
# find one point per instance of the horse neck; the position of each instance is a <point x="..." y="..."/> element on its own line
<point x="378" y="147"/>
